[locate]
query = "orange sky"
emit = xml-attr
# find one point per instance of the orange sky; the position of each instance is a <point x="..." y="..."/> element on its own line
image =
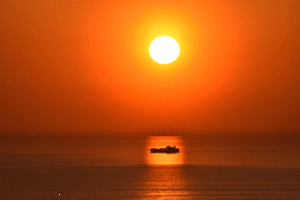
<point x="83" y="66"/>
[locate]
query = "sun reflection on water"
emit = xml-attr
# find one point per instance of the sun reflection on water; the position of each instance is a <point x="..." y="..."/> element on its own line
<point x="164" y="158"/>
<point x="165" y="178"/>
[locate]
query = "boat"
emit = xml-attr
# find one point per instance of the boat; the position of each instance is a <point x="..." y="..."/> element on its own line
<point x="168" y="149"/>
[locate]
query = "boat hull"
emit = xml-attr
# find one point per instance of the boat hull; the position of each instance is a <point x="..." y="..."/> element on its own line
<point x="164" y="150"/>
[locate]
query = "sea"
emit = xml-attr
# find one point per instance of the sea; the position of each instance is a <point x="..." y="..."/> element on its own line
<point x="76" y="167"/>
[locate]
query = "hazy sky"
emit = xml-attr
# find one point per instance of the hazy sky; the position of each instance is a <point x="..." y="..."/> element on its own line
<point x="83" y="66"/>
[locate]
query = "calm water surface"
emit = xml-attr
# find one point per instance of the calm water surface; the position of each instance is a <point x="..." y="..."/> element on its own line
<point x="124" y="168"/>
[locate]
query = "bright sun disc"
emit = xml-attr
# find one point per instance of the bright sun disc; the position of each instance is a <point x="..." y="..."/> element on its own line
<point x="164" y="50"/>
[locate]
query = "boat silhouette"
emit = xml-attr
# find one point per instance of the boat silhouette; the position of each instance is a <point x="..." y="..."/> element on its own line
<point x="168" y="149"/>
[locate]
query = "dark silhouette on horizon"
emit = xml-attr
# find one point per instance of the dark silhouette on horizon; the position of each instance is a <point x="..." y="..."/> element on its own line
<point x="168" y="149"/>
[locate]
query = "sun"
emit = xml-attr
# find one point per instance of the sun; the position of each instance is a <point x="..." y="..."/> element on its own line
<point x="164" y="50"/>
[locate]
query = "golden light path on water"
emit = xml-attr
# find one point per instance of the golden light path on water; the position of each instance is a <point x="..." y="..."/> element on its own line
<point x="164" y="158"/>
<point x="165" y="178"/>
